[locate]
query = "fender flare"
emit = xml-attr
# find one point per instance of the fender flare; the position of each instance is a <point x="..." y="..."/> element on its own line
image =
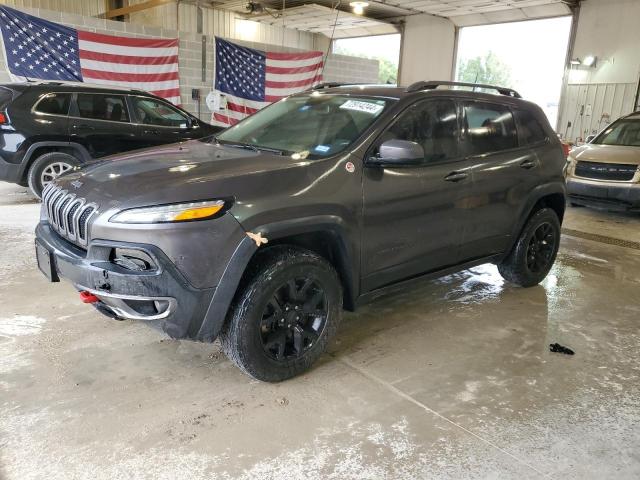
<point x="28" y="159"/>
<point x="226" y="290"/>
<point x="535" y="196"/>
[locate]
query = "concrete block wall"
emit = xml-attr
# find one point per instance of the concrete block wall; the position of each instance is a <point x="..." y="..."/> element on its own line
<point x="339" y="67"/>
<point x="343" y="68"/>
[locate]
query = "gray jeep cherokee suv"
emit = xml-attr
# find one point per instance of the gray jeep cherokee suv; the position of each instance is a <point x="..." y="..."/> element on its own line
<point x="263" y="234"/>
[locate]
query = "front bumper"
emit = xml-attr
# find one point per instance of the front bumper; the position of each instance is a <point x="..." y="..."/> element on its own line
<point x="161" y="295"/>
<point x="609" y="195"/>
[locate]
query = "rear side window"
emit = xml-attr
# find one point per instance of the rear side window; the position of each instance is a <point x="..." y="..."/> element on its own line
<point x="102" y="107"/>
<point x="54" y="104"/>
<point x="489" y="127"/>
<point x="529" y="128"/>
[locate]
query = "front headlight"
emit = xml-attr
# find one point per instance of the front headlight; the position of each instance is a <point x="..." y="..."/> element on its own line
<point x="179" y="212"/>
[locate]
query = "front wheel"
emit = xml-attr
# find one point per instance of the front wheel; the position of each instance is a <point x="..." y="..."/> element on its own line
<point x="284" y="317"/>
<point x="535" y="250"/>
<point x="46" y="168"/>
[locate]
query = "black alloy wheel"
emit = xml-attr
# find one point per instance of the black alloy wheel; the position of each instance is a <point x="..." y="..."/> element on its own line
<point x="541" y="248"/>
<point x="293" y="319"/>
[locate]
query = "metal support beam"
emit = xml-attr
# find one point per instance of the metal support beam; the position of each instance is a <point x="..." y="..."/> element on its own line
<point x="136" y="8"/>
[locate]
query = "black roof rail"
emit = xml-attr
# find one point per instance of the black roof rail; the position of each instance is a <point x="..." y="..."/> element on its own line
<point x="432" y="85"/>
<point x="323" y="85"/>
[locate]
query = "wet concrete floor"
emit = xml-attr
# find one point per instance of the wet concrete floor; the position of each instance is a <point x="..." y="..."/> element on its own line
<point x="450" y="379"/>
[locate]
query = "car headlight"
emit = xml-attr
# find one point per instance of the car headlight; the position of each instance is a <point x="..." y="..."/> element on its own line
<point x="179" y="212"/>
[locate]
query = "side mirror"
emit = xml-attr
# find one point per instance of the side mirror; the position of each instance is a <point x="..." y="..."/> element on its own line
<point x="398" y="153"/>
<point x="590" y="138"/>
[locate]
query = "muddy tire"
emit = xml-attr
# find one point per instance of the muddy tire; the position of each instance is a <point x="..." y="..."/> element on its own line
<point x="47" y="168"/>
<point x="284" y="315"/>
<point x="535" y="250"/>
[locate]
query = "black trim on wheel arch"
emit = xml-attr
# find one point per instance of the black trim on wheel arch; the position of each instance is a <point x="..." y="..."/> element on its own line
<point x="28" y="158"/>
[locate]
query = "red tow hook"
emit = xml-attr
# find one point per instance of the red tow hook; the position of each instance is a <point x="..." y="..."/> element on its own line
<point x="88" y="297"/>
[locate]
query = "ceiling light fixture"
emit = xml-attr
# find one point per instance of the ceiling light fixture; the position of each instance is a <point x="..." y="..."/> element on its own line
<point x="589" y="61"/>
<point x="358" y="7"/>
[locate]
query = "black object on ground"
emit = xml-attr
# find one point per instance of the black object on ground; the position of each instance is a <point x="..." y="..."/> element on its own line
<point x="557" y="348"/>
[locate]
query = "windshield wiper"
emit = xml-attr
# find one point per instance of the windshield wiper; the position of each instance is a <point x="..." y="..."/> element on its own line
<point x="249" y="146"/>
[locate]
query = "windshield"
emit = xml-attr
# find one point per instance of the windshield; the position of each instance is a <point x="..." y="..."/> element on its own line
<point x="312" y="126"/>
<point x="623" y="132"/>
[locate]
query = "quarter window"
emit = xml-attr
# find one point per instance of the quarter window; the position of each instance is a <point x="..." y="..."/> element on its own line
<point x="431" y="124"/>
<point x="102" y="107"/>
<point x="490" y="128"/>
<point x="153" y="112"/>
<point x="529" y="128"/>
<point x="54" y="104"/>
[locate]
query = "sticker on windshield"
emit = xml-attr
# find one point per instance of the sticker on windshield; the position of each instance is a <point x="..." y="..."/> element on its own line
<point x="322" y="148"/>
<point x="360" y="106"/>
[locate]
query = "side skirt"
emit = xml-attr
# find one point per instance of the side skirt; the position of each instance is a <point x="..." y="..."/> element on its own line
<point x="402" y="284"/>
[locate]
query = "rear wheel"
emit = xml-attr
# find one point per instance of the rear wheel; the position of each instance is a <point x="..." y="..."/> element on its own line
<point x="46" y="168"/>
<point x="285" y="316"/>
<point x="535" y="251"/>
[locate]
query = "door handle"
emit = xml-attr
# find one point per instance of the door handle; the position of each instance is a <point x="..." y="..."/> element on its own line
<point x="84" y="126"/>
<point x="456" y="176"/>
<point x="528" y="164"/>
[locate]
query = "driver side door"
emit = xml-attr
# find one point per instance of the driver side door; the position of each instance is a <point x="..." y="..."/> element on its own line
<point x="414" y="214"/>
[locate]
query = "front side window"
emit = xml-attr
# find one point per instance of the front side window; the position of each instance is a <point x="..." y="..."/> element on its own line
<point x="153" y="112"/>
<point x="624" y="132"/>
<point x="529" y="128"/>
<point x="489" y="128"/>
<point x="54" y="104"/>
<point x="312" y="126"/>
<point x="98" y="106"/>
<point x="432" y="124"/>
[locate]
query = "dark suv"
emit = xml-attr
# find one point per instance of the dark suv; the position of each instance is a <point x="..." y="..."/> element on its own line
<point x="47" y="128"/>
<point x="319" y="202"/>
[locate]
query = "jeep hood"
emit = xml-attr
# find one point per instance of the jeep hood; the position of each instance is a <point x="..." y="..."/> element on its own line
<point x="188" y="171"/>
<point x="606" y="154"/>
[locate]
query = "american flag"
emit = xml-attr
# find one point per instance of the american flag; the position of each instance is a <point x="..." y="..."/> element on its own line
<point x="35" y="48"/>
<point x="251" y="79"/>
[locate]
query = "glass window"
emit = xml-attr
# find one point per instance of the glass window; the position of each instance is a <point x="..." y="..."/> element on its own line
<point x="432" y="124"/>
<point x="624" y="132"/>
<point x="313" y="126"/>
<point x="153" y="112"/>
<point x="529" y="128"/>
<point x="54" y="104"/>
<point x="98" y="106"/>
<point x="490" y="128"/>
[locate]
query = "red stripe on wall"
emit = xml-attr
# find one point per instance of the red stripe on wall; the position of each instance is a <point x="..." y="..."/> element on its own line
<point x="172" y="92"/>
<point x="225" y="119"/>
<point x="129" y="77"/>
<point x="296" y="83"/>
<point x="234" y="107"/>
<point x="127" y="59"/>
<point x="127" y="41"/>
<point x="293" y="56"/>
<point x="284" y="70"/>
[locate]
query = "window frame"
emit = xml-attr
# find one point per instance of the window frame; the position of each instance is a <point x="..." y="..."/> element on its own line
<point x="460" y="153"/>
<point x="76" y="109"/>
<point x="132" y="109"/>
<point x="34" y="108"/>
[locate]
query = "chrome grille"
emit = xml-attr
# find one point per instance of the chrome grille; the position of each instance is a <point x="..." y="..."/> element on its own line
<point x="67" y="214"/>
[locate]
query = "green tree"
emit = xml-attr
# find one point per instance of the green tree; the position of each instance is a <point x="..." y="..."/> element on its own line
<point x="387" y="71"/>
<point x="488" y="70"/>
